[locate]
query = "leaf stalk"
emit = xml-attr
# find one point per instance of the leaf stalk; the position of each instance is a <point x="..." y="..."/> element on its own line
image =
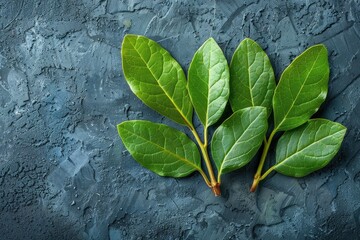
<point x="214" y="185"/>
<point x="206" y="179"/>
<point x="258" y="177"/>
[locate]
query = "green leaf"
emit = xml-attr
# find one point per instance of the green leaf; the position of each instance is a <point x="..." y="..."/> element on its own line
<point x="308" y="148"/>
<point x="252" y="80"/>
<point x="238" y="138"/>
<point x="302" y="88"/>
<point x="162" y="149"/>
<point x="208" y="78"/>
<point x="156" y="78"/>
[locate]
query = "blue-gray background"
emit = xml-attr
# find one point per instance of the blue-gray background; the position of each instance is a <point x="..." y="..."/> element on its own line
<point x="64" y="173"/>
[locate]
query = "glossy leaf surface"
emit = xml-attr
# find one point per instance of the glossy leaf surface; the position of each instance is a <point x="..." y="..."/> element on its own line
<point x="252" y="80"/>
<point x="162" y="149"/>
<point x="209" y="82"/>
<point x="156" y="78"/>
<point x="238" y="138"/>
<point x="308" y="148"/>
<point x="302" y="88"/>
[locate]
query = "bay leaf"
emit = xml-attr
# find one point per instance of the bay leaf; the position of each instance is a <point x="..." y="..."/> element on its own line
<point x="309" y="147"/>
<point x="252" y="80"/>
<point x="302" y="88"/>
<point x="156" y="78"/>
<point x="160" y="148"/>
<point x="208" y="81"/>
<point x="238" y="138"/>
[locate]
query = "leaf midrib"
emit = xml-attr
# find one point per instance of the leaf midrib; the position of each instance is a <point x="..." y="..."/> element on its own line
<point x="209" y="86"/>
<point x="208" y="94"/>
<point x="248" y="74"/>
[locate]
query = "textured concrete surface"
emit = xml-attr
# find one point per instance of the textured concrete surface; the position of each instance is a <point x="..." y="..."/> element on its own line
<point x="64" y="173"/>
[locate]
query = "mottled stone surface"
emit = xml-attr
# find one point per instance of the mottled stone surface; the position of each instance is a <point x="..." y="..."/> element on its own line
<point x="64" y="172"/>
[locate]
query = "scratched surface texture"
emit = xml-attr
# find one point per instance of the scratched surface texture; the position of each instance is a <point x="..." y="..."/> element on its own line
<point x="64" y="172"/>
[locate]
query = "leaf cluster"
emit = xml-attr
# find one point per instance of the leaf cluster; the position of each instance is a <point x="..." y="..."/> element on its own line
<point x="249" y="85"/>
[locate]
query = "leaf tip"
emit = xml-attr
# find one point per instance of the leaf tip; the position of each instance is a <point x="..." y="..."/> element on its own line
<point x="343" y="130"/>
<point x="321" y="48"/>
<point x="210" y="41"/>
<point x="247" y="39"/>
<point x="321" y="45"/>
<point x="127" y="37"/>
